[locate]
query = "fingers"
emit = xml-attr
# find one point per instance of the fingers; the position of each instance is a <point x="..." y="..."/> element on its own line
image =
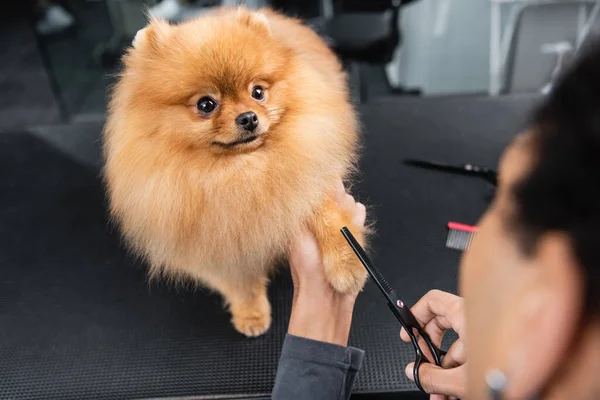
<point x="436" y="380"/>
<point x="404" y="336"/>
<point x="436" y="304"/>
<point x="347" y="202"/>
<point x="456" y="355"/>
<point x="303" y="253"/>
<point x="360" y="214"/>
<point x="340" y="191"/>
<point x="303" y="243"/>
<point x="438" y="311"/>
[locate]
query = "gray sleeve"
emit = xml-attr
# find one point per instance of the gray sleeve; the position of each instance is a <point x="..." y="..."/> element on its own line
<point x="313" y="370"/>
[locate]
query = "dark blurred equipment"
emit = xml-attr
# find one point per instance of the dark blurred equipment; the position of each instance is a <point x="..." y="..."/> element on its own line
<point x="302" y="9"/>
<point x="485" y="173"/>
<point x="127" y="18"/>
<point x="365" y="33"/>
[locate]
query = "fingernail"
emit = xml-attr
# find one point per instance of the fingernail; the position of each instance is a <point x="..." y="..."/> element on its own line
<point x="409" y="371"/>
<point x="362" y="208"/>
<point x="406" y="338"/>
<point x="340" y="192"/>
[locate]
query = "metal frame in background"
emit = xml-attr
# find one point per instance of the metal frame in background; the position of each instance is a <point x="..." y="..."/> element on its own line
<point x="123" y="27"/>
<point x="63" y="111"/>
<point x="500" y="41"/>
<point x="124" y="20"/>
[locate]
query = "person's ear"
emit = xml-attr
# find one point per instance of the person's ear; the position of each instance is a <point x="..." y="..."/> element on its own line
<point x="150" y="37"/>
<point x="547" y="316"/>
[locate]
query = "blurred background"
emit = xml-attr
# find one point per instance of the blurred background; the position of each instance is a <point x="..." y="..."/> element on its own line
<point x="59" y="56"/>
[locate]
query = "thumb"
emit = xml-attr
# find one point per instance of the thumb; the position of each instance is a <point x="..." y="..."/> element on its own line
<point x="437" y="380"/>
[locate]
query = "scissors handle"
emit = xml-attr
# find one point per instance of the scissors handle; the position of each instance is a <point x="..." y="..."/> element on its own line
<point x="409" y="322"/>
<point x="420" y="358"/>
<point x="438" y="354"/>
<point x="410" y="325"/>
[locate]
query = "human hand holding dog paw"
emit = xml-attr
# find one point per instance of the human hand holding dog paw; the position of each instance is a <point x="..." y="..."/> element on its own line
<point x="319" y="311"/>
<point x="342" y="268"/>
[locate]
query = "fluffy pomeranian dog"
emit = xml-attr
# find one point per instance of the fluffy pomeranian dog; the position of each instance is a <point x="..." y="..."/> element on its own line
<point x="226" y="136"/>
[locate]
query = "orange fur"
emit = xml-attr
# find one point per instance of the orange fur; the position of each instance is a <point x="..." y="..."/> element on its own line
<point x="223" y="216"/>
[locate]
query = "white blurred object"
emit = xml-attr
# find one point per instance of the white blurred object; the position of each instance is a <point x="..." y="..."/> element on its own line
<point x="56" y="19"/>
<point x="441" y="20"/>
<point x="175" y="11"/>
<point x="561" y="49"/>
<point x="168" y="9"/>
<point x="247" y="3"/>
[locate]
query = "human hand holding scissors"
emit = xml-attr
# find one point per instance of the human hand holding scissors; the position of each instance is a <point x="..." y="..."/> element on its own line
<point x="424" y="332"/>
<point x="438" y="312"/>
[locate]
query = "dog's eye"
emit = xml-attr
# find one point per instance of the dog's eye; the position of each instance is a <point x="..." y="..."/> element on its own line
<point x="206" y="105"/>
<point x="258" y="93"/>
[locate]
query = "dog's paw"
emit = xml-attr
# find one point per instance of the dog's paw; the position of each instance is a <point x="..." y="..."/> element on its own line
<point x="252" y="320"/>
<point x="345" y="273"/>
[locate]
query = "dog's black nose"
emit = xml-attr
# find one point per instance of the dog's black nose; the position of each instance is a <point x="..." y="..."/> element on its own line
<point x="247" y="120"/>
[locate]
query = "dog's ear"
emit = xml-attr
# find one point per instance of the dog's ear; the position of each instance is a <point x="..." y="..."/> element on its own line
<point x="150" y="37"/>
<point x="254" y="19"/>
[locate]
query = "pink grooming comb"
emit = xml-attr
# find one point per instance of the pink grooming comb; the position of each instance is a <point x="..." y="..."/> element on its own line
<point x="460" y="236"/>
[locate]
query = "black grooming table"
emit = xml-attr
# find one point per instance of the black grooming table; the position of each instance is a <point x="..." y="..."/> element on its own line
<point x="78" y="319"/>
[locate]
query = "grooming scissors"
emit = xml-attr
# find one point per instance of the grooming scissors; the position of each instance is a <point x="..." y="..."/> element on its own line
<point x="400" y="310"/>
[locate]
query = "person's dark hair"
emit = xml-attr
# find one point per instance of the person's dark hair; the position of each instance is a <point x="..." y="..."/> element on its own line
<point x="562" y="191"/>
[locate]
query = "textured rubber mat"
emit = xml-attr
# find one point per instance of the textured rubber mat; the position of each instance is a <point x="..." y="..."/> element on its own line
<point x="78" y="320"/>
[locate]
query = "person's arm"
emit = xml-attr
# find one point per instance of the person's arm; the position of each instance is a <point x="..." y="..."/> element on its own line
<point x="315" y="361"/>
<point x="311" y="369"/>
